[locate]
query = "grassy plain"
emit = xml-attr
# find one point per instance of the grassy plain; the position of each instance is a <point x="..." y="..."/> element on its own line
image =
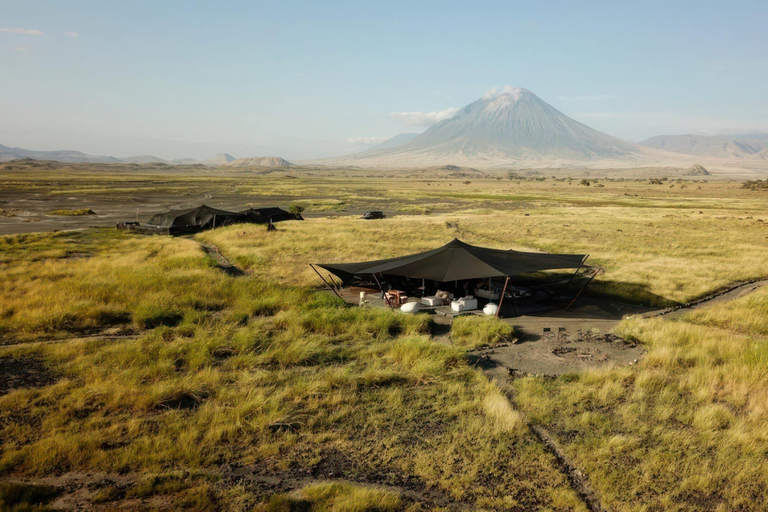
<point x="355" y="409"/>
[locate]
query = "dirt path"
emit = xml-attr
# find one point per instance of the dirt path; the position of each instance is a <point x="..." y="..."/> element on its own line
<point x="223" y="263"/>
<point x="730" y="292"/>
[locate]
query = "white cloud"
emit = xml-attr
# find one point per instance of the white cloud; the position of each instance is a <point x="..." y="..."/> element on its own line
<point x="507" y="90"/>
<point x="301" y="75"/>
<point x="367" y="140"/>
<point x="425" y="118"/>
<point x="73" y="35"/>
<point x="23" y="31"/>
<point x="20" y="49"/>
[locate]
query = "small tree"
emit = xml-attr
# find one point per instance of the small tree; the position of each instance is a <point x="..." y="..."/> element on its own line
<point x="584" y="182"/>
<point x="296" y="209"/>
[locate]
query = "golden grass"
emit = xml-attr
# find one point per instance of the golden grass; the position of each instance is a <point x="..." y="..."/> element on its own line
<point x="72" y="213"/>
<point x="251" y="373"/>
<point x="651" y="256"/>
<point x="748" y="314"/>
<point x="264" y="370"/>
<point x="473" y="331"/>
<point x="338" y="497"/>
<point x="686" y="429"/>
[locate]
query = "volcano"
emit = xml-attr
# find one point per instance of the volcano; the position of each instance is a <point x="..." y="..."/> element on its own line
<point x="511" y="126"/>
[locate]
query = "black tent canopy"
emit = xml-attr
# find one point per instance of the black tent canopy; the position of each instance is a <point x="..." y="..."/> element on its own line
<point x="456" y="261"/>
<point x="264" y="215"/>
<point x="200" y="217"/>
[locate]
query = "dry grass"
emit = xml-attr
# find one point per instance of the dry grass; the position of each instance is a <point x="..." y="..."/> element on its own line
<point x="474" y="331"/>
<point x="341" y="497"/>
<point x="684" y="430"/>
<point x="748" y="314"/>
<point x="250" y="373"/>
<point x="263" y="370"/>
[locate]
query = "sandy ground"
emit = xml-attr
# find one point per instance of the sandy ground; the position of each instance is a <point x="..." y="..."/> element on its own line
<point x="27" y="212"/>
<point x="556" y="341"/>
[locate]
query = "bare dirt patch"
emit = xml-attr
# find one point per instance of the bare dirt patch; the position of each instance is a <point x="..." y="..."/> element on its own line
<point x="24" y="372"/>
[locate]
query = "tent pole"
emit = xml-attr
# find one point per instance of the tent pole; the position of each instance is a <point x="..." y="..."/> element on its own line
<point x="501" y="299"/>
<point x="571" y="279"/>
<point x="326" y="282"/>
<point x="383" y="293"/>
<point x="583" y="288"/>
<point x="333" y="282"/>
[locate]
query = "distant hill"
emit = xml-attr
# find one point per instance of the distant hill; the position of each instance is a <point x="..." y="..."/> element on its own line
<point x="141" y="159"/>
<point x="220" y="159"/>
<point x="742" y="146"/>
<point x="697" y="170"/>
<point x="260" y="161"/>
<point x="7" y="154"/>
<point x="513" y="126"/>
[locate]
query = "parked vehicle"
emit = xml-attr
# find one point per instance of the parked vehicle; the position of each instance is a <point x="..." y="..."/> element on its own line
<point x="373" y="215"/>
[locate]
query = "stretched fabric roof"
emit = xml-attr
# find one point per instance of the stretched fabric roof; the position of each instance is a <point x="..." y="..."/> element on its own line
<point x="198" y="216"/>
<point x="263" y="215"/>
<point x="457" y="261"/>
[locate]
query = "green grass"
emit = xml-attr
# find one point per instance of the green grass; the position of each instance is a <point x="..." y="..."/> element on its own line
<point x="264" y="371"/>
<point x="683" y="430"/>
<point x="26" y="498"/>
<point x="473" y="331"/>
<point x="336" y="497"/>
<point x="248" y="372"/>
<point x="73" y="213"/>
<point x="748" y="314"/>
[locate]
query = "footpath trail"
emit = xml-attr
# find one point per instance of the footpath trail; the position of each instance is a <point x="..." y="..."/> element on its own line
<point x="223" y="263"/>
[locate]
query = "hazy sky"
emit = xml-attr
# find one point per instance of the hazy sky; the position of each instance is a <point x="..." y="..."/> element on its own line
<point x="303" y="79"/>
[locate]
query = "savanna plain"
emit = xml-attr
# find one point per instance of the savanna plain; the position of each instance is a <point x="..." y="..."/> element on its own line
<point x="137" y="374"/>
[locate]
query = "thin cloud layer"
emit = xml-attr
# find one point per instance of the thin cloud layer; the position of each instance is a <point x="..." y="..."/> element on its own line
<point x="73" y="35"/>
<point x="425" y="118"/>
<point x="23" y="31"/>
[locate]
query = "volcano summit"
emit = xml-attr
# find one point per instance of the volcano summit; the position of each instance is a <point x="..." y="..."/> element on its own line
<point x="511" y="126"/>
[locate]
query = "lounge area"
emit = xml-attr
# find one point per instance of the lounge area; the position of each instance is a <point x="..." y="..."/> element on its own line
<point x="459" y="278"/>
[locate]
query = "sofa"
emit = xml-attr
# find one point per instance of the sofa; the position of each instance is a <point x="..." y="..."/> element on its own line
<point x="484" y="293"/>
<point x="440" y="298"/>
<point x="468" y="303"/>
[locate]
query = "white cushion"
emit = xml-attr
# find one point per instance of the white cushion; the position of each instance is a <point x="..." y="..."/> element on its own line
<point x="468" y="304"/>
<point x="432" y="301"/>
<point x="410" y="307"/>
<point x="490" y="309"/>
<point x="457" y="306"/>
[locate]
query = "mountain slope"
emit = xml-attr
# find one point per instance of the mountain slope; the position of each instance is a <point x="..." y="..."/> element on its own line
<point x="746" y="146"/>
<point x="397" y="140"/>
<point x="260" y="161"/>
<point x="506" y="127"/>
<point x="7" y="154"/>
<point x="220" y="159"/>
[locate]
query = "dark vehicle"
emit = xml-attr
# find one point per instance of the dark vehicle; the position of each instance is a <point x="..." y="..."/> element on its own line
<point x="373" y="215"/>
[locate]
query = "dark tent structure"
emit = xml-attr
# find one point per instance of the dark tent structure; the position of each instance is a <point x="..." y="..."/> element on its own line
<point x="458" y="261"/>
<point x="264" y="215"/>
<point x="193" y="220"/>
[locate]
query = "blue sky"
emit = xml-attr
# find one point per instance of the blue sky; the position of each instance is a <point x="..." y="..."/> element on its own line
<point x="304" y="79"/>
